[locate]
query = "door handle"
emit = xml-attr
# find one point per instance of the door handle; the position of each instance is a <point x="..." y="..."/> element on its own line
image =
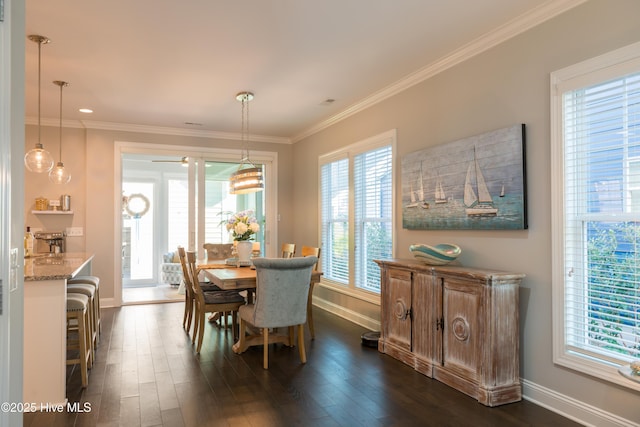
<point x="401" y="311"/>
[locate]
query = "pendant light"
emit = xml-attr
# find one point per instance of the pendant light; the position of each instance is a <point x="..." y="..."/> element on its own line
<point x="60" y="175"/>
<point x="38" y="159"/>
<point x="248" y="177"/>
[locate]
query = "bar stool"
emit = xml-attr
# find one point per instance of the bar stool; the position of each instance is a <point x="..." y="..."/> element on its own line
<point x="90" y="292"/>
<point x="95" y="281"/>
<point x="78" y="311"/>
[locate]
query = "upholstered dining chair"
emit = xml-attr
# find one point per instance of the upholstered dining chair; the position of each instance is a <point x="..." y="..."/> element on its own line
<point x="282" y="289"/>
<point x="288" y="250"/>
<point x="311" y="251"/>
<point x="218" y="251"/>
<point x="209" y="302"/>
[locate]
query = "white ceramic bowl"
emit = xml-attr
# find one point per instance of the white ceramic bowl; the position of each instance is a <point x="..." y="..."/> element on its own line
<point x="440" y="254"/>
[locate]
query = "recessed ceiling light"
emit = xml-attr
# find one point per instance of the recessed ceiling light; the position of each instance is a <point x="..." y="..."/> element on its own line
<point x="86" y="110"/>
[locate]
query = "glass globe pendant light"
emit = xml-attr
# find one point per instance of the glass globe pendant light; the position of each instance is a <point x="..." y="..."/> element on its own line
<point x="60" y="175"/>
<point x="38" y="159"/>
<point x="248" y="177"/>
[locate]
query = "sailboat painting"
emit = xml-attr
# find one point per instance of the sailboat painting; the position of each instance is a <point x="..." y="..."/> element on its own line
<point x="473" y="183"/>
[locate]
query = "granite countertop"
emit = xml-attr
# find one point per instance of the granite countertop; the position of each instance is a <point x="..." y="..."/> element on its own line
<point x="54" y="266"/>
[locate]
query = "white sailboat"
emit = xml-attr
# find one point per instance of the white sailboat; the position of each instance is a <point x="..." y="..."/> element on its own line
<point x="414" y="201"/>
<point x="480" y="203"/>
<point x="417" y="197"/>
<point x="440" y="196"/>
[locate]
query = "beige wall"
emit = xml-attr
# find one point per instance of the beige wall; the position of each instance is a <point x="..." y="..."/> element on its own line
<point x="506" y="85"/>
<point x="38" y="185"/>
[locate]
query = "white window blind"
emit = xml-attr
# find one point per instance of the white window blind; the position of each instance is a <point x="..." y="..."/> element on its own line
<point x="373" y="214"/>
<point x="356" y="200"/>
<point x="601" y="151"/>
<point x="335" y="220"/>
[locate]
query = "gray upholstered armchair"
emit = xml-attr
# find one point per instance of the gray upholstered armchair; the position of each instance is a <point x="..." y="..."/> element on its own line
<point x="171" y="269"/>
<point x="281" y="301"/>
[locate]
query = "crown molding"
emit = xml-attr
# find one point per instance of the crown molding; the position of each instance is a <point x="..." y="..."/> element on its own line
<point x="160" y="130"/>
<point x="522" y="23"/>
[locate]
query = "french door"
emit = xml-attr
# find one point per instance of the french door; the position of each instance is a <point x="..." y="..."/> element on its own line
<point x="169" y="203"/>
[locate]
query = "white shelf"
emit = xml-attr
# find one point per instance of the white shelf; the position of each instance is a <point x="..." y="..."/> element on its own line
<point x="52" y="212"/>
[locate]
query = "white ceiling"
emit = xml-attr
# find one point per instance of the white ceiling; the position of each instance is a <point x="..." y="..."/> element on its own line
<point x="160" y="63"/>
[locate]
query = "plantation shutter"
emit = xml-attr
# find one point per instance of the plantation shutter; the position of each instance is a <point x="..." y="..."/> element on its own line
<point x="601" y="127"/>
<point x="373" y="214"/>
<point x="335" y="220"/>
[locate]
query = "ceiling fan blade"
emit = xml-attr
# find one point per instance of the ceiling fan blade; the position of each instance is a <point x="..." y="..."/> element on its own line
<point x="183" y="160"/>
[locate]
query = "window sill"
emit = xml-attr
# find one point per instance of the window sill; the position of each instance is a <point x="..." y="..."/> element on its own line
<point x="597" y="368"/>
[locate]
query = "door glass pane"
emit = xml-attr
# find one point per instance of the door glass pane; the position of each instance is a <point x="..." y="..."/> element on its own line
<point x="177" y="213"/>
<point x="137" y="225"/>
<point x="219" y="204"/>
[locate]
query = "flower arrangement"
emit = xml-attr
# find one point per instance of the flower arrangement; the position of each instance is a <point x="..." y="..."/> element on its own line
<point x="243" y="225"/>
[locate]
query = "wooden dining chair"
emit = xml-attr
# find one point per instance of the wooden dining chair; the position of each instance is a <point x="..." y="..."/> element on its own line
<point x="282" y="289"/>
<point x="288" y="250"/>
<point x="209" y="302"/>
<point x="311" y="251"/>
<point x="190" y="296"/>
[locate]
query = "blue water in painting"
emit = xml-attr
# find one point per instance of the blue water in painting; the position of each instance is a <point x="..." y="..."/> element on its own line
<point x="452" y="215"/>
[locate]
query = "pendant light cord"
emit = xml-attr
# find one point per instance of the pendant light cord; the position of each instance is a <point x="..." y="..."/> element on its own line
<point x="245" y="130"/>
<point x="60" y="131"/>
<point x="39" y="86"/>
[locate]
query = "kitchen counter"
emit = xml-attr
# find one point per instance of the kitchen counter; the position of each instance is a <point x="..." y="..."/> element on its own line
<point x="45" y="325"/>
<point x="55" y="266"/>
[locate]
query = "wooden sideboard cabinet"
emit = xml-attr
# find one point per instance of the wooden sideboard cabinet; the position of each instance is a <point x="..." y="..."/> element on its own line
<point x="455" y="324"/>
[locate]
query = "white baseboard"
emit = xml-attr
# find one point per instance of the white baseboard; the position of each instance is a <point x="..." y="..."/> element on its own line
<point x="352" y="316"/>
<point x="107" y="303"/>
<point x="566" y="406"/>
<point x="571" y="408"/>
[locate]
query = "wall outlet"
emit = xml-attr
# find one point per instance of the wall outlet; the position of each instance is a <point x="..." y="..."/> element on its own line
<point x="75" y="231"/>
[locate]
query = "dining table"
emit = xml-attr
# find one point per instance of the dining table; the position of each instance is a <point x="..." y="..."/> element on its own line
<point x="231" y="277"/>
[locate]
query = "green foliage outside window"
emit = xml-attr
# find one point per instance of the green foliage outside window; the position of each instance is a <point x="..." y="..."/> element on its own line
<point x="614" y="288"/>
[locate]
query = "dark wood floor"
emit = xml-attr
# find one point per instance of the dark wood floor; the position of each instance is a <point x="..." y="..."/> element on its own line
<point x="146" y="374"/>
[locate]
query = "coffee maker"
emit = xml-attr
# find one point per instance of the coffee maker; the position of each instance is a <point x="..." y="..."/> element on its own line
<point x="49" y="242"/>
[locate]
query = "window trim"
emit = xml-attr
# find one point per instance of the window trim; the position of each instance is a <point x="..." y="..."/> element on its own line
<point x="388" y="138"/>
<point x="610" y="65"/>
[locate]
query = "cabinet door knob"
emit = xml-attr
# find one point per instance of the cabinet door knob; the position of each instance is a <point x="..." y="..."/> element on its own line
<point x="401" y="311"/>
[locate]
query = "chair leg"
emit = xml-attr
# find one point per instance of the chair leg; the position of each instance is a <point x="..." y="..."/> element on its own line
<point x="310" y="314"/>
<point x="291" y="336"/>
<point x="234" y="325"/>
<point x="303" y="354"/>
<point x="265" y="353"/>
<point x="200" y="332"/>
<point x="186" y="310"/>
<point x="84" y="350"/>
<point x="196" y="322"/>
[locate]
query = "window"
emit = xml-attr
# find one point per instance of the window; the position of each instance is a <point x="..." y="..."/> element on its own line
<point x="596" y="213"/>
<point x="356" y="201"/>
